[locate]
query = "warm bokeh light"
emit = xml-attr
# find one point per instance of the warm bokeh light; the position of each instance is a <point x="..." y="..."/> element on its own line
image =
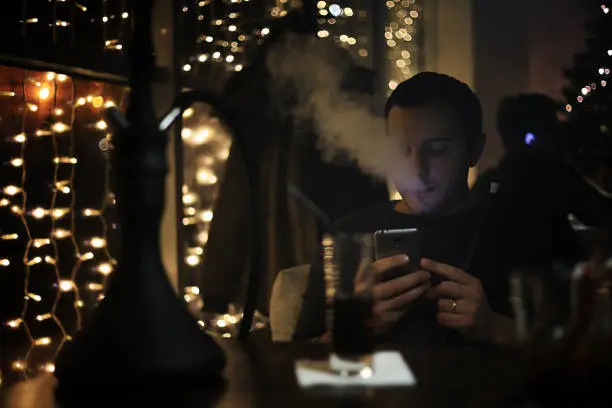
<point x="399" y="34"/>
<point x="206" y="150"/>
<point x="56" y="270"/>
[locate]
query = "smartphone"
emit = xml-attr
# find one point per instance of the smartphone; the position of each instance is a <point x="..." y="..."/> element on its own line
<point x="399" y="241"/>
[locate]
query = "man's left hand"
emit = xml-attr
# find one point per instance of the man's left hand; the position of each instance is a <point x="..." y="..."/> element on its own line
<point x="462" y="304"/>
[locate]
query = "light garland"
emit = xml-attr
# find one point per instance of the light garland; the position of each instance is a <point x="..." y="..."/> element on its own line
<point x="206" y="149"/>
<point x="63" y="259"/>
<point x="223" y="41"/>
<point x="220" y="38"/>
<point x="280" y="9"/>
<point x="114" y="19"/>
<point x="348" y="26"/>
<point x="226" y="325"/>
<point x="601" y="74"/>
<point x="400" y="35"/>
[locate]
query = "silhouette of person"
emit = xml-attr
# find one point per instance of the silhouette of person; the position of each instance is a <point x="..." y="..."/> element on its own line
<point x="536" y="178"/>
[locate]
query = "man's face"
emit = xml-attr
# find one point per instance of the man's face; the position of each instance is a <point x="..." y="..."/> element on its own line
<point x="434" y="176"/>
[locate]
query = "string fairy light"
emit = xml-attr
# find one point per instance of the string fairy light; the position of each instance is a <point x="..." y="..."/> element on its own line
<point x="206" y="150"/>
<point x="114" y="20"/>
<point x="223" y="41"/>
<point x="350" y="27"/>
<point x="400" y="33"/>
<point x="206" y="143"/>
<point x="601" y="74"/>
<point x="59" y="267"/>
<point x="220" y="40"/>
<point x="225" y="325"/>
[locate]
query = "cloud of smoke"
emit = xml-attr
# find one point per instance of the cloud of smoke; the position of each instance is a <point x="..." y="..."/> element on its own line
<point x="314" y="69"/>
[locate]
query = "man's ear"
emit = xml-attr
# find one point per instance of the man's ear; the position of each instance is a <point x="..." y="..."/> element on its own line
<point x="476" y="148"/>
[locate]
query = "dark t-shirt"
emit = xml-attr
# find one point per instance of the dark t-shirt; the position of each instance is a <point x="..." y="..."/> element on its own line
<point x="487" y="240"/>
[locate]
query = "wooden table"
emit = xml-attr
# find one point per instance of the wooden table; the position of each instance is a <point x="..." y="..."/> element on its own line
<point x="261" y="375"/>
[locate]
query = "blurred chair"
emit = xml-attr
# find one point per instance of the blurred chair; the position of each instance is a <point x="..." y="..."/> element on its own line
<point x="286" y="301"/>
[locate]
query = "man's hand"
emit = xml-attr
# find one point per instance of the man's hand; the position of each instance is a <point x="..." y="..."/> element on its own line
<point x="462" y="303"/>
<point x="392" y="298"/>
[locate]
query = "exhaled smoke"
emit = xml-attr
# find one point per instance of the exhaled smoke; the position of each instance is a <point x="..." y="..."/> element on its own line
<point x="314" y="69"/>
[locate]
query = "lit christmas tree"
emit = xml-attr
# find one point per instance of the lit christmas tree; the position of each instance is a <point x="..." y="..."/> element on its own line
<point x="589" y="94"/>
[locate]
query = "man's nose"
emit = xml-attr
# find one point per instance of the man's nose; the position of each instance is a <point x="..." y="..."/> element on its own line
<point x="418" y="162"/>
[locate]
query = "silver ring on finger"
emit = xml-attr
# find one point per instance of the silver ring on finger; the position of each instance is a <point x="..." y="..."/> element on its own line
<point x="453" y="306"/>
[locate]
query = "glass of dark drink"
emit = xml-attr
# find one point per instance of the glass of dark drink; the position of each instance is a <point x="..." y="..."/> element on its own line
<point x="349" y="282"/>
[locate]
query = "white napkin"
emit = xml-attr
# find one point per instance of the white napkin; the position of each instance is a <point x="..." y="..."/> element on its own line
<point x="389" y="370"/>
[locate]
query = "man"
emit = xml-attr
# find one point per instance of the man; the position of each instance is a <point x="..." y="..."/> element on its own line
<point x="528" y="123"/>
<point x="538" y="179"/>
<point x="530" y="131"/>
<point x="466" y="241"/>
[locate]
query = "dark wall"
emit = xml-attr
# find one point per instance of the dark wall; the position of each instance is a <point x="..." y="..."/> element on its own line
<point x="522" y="46"/>
<point x="556" y="32"/>
<point x="501" y="60"/>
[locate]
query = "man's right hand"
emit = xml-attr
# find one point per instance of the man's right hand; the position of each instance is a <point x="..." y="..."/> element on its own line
<point x="392" y="298"/>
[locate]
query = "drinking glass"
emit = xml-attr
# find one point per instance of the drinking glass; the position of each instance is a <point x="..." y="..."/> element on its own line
<point x="349" y="282"/>
<point x="540" y="306"/>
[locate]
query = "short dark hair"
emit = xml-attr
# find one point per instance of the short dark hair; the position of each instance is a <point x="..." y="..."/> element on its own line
<point x="432" y="88"/>
<point x="530" y="112"/>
